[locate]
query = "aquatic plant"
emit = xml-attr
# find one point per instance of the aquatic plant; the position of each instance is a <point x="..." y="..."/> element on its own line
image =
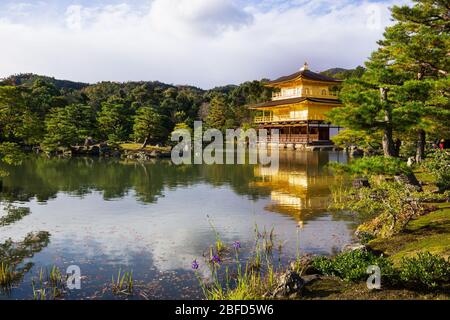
<point x="220" y="246"/>
<point x="216" y="259"/>
<point x="39" y="293"/>
<point x="123" y="284"/>
<point x="7" y="275"/>
<point x="249" y="280"/>
<point x="50" y="285"/>
<point x="13" y="214"/>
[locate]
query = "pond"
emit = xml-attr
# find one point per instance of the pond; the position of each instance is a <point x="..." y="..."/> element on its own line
<point x="154" y="218"/>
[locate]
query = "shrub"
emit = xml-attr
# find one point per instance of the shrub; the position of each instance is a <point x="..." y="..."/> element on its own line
<point x="438" y="164"/>
<point x="352" y="265"/>
<point x="389" y="205"/>
<point x="425" y="270"/>
<point x="375" y="165"/>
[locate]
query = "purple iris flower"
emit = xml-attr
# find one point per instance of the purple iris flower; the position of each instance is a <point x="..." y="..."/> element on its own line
<point x="195" y="265"/>
<point x="237" y="244"/>
<point x="216" y="259"/>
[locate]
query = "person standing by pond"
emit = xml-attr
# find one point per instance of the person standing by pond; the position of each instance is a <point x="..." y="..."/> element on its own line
<point x="441" y="144"/>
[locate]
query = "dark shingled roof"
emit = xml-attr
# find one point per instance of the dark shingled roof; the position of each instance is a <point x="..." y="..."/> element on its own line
<point x="275" y="103"/>
<point x="305" y="74"/>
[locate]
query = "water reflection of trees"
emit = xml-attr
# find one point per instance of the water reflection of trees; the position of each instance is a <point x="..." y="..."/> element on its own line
<point x="15" y="255"/>
<point x="43" y="178"/>
<point x="302" y="179"/>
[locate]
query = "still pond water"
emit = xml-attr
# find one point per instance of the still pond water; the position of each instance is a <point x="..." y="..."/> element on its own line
<point x="152" y="218"/>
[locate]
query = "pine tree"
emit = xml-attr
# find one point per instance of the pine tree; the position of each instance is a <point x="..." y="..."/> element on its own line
<point x="418" y="44"/>
<point x="68" y="126"/>
<point x="408" y="73"/>
<point x="115" y="121"/>
<point x="368" y="105"/>
<point x="148" y="126"/>
<point x="216" y="118"/>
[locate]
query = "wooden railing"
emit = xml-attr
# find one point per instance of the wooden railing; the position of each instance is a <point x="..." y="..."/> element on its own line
<point x="279" y="118"/>
<point x="329" y="94"/>
<point x="294" y="138"/>
<point x="263" y="119"/>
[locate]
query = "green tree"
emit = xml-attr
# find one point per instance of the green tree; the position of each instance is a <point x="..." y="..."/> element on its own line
<point x="250" y="92"/>
<point x="115" y="121"/>
<point x="68" y="126"/>
<point x="368" y="105"/>
<point x="217" y="113"/>
<point x="398" y="92"/>
<point x="18" y="122"/>
<point x="147" y="126"/>
<point x="418" y="44"/>
<point x="349" y="137"/>
<point x="44" y="96"/>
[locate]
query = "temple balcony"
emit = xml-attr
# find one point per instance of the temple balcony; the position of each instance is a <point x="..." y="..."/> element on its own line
<point x="324" y="94"/>
<point x="304" y="116"/>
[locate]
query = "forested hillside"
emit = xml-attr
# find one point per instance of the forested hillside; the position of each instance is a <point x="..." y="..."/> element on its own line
<point x="53" y="114"/>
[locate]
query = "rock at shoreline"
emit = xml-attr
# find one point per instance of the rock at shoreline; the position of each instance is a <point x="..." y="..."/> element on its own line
<point x="289" y="284"/>
<point x="353" y="247"/>
<point x="409" y="179"/>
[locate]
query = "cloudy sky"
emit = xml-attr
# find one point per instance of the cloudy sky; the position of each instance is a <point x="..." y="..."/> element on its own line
<point x="199" y="42"/>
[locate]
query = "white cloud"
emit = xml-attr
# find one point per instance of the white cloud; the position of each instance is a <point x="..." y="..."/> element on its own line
<point x="199" y="42"/>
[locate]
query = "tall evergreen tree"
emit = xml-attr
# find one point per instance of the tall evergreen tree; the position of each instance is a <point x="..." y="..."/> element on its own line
<point x="368" y="105"/>
<point x="419" y="45"/>
<point x="148" y="126"/>
<point x="18" y="121"/>
<point x="115" y="120"/>
<point x="68" y="126"/>
<point x="217" y="113"/>
<point x="408" y="71"/>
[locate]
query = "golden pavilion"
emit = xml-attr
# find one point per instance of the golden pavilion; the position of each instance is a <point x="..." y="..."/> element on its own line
<point x="298" y="108"/>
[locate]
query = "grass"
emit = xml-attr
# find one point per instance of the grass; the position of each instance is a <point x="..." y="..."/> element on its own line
<point x="430" y="232"/>
<point x="424" y="176"/>
<point x="438" y="220"/>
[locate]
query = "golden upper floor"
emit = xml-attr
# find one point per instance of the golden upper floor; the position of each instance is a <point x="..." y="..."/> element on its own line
<point x="304" y="95"/>
<point x="305" y="83"/>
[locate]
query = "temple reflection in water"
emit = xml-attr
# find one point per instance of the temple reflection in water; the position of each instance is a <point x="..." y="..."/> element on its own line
<point x="300" y="187"/>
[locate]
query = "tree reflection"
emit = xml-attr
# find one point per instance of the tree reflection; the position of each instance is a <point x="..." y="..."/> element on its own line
<point x="14" y="253"/>
<point x="301" y="183"/>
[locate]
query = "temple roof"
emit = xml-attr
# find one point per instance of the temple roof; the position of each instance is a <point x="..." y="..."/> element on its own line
<point x="275" y="103"/>
<point x="305" y="73"/>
